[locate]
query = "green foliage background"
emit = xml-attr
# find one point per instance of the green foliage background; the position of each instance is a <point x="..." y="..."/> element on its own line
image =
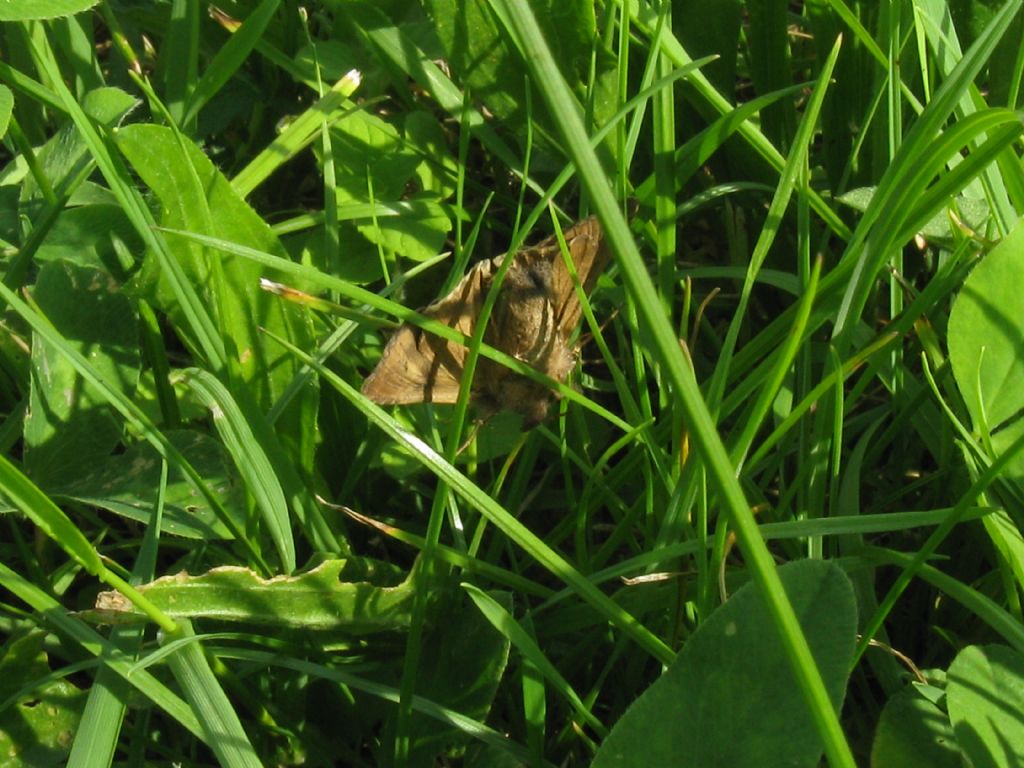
<point x="775" y="514"/>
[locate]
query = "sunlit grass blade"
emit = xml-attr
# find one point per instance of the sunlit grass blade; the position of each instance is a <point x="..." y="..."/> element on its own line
<point x="299" y="134"/>
<point x="57" y="618"/>
<point x="489" y="508"/>
<point x="251" y="460"/>
<point x="229" y="58"/>
<point x="680" y="376"/>
<point x="220" y="723"/>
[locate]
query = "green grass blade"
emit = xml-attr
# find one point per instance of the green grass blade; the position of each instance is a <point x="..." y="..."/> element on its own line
<point x="506" y="624"/>
<point x="97" y="645"/>
<point x="916" y="148"/>
<point x="331" y="107"/>
<point x="230" y="58"/>
<point x="677" y="371"/>
<point x="780" y="201"/>
<point x="221" y="726"/>
<point x="251" y="461"/>
<point x="489" y="508"/>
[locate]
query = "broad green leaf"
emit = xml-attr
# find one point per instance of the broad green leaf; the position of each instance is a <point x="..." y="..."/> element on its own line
<point x="437" y="172"/>
<point x="463" y="661"/>
<point x="369" y="150"/>
<point x="351" y="596"/>
<point x="972" y="212"/>
<point x="194" y="196"/>
<point x="333" y="58"/>
<point x="85" y="235"/>
<point x="36" y="729"/>
<point x="985" y="330"/>
<point x="69" y="426"/>
<point x="374" y="161"/>
<point x="26" y="496"/>
<point x="27" y="10"/>
<point x="985" y="696"/>
<point x="914" y="732"/>
<point x="415" y="238"/>
<point x="489" y="65"/>
<point x="123" y="483"/>
<point x="64" y="154"/>
<point x="729" y="698"/>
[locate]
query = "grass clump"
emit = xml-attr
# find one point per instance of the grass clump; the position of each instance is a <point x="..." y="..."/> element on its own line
<point x="774" y="514"/>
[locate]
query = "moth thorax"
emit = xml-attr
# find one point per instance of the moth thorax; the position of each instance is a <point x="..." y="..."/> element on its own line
<point x="560" y="362"/>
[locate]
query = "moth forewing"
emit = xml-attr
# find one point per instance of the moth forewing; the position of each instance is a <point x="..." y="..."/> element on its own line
<point x="421" y="367"/>
<point x="414" y="368"/>
<point x="585" y="243"/>
<point x="534" y="316"/>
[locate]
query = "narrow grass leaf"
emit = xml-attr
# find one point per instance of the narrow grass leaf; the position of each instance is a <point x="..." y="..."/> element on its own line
<point x="489" y="508"/>
<point x="505" y="623"/>
<point x="467" y="725"/>
<point x="250" y="459"/>
<point x="329" y="109"/>
<point x="230" y="58"/>
<point x="678" y="373"/>
<point x="215" y="712"/>
<point x="868" y="254"/>
<point x="137" y="211"/>
<point x="26" y="496"/>
<point x="95" y="644"/>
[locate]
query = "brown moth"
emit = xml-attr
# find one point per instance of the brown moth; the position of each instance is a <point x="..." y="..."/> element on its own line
<point x="534" y="316"/>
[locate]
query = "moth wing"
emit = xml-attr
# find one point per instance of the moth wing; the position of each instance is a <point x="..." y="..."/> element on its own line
<point x="420" y="367"/>
<point x="585" y="241"/>
<point x="461" y="307"/>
